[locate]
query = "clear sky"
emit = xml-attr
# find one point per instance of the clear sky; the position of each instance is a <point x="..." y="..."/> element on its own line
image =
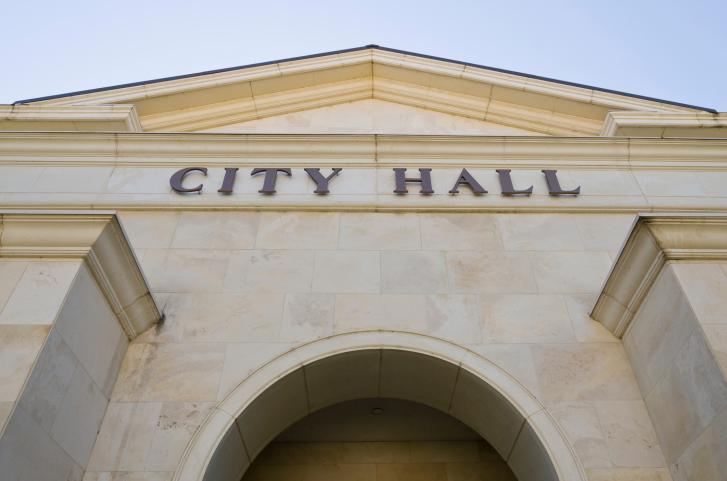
<point x="674" y="50"/>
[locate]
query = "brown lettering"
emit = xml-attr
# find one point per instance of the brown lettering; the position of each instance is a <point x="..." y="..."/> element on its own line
<point x="402" y="179"/>
<point x="321" y="182"/>
<point x="271" y="174"/>
<point x="178" y="177"/>
<point x="466" y="178"/>
<point x="554" y="185"/>
<point x="507" y="187"/>
<point x="228" y="180"/>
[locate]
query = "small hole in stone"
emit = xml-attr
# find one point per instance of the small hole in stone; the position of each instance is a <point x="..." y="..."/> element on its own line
<point x="377" y="411"/>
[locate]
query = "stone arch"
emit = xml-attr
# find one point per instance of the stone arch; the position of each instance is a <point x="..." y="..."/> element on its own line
<point x="388" y="364"/>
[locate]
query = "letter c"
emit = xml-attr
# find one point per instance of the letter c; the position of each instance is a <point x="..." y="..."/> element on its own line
<point x="178" y="177"/>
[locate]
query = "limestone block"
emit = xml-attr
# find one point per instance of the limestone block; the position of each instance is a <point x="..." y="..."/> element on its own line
<point x="375" y="452"/>
<point x="706" y="457"/>
<point x="514" y="359"/>
<point x="42" y="396"/>
<point x="347" y="272"/>
<point x="444" y="452"/>
<point x="604" y="232"/>
<point x="408" y="472"/>
<point x="348" y="376"/>
<point x="92" y="331"/>
<point x="528" y="460"/>
<point x="570" y="272"/>
<point x="666" y="184"/>
<point x="585" y="328"/>
<point x="176" y="310"/>
<point x="79" y="417"/>
<point x="513" y="318"/>
<point x="216" y="230"/>
<point x="705" y="286"/>
<point x="10" y="273"/>
<point x="264" y="472"/>
<point x="474" y="272"/>
<point x="170" y="372"/>
<point x="177" y="423"/>
<point x="139" y="180"/>
<point x="485" y="471"/>
<point x="149" y="230"/>
<point x="22" y="436"/>
<point x="344" y="472"/>
<point x="73" y="179"/>
<point x="270" y="271"/>
<point x="125" y="437"/>
<point x="40" y="292"/>
<point x="642" y="377"/>
<point x="413" y="272"/>
<point x="298" y="230"/>
<point x="673" y="413"/>
<point x="307" y="317"/>
<point x="19" y="347"/>
<point x="242" y="359"/>
<point x="540" y="232"/>
<point x="716" y="335"/>
<point x="234" y="317"/>
<point x="629" y="434"/>
<point x="376" y="231"/>
<point x="454" y="317"/>
<point x="185" y="270"/>
<point x="702" y="377"/>
<point x="460" y="232"/>
<point x="629" y="474"/>
<point x="6" y="408"/>
<point x="19" y="179"/>
<point x="129" y="476"/>
<point x="417" y="377"/>
<point x="663" y="324"/>
<point x="715" y="183"/>
<point x="580" y="422"/>
<point x="605" y="182"/>
<point x="584" y="372"/>
<point x="399" y="312"/>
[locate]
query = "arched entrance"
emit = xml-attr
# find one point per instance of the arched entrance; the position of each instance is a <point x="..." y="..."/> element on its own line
<point x="380" y="364"/>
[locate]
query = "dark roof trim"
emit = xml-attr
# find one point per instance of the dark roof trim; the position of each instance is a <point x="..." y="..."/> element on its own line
<point x="510" y="72"/>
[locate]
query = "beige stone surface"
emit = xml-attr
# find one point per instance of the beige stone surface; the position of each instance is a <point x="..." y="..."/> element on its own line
<point x="706" y="457"/>
<point x="380" y="232"/>
<point x="297" y="230"/>
<point x="401" y="312"/>
<point x="216" y="230"/>
<point x="574" y="372"/>
<point x="10" y="273"/>
<point x="515" y="359"/>
<point x="580" y="421"/>
<point x="176" y="310"/>
<point x="19" y="179"/>
<point x="170" y="372"/>
<point x="241" y="359"/>
<point x="175" y="427"/>
<point x="604" y="232"/>
<point x="307" y="317"/>
<point x="524" y="318"/>
<point x="19" y="347"/>
<point x="347" y="272"/>
<point x="489" y="272"/>
<point x="659" y="184"/>
<point x="270" y="271"/>
<point x="444" y="452"/>
<point x="460" y="232"/>
<point x="454" y="317"/>
<point x="540" y="232"/>
<point x="135" y="180"/>
<point x="185" y="270"/>
<point x="414" y="272"/>
<point x="376" y="452"/>
<point x="585" y="327"/>
<point x="40" y="292"/>
<point x="629" y="474"/>
<point x="125" y="438"/>
<point x="629" y="434"/>
<point x="72" y="179"/>
<point x="570" y="272"/>
<point x="705" y="286"/>
<point x="150" y="230"/>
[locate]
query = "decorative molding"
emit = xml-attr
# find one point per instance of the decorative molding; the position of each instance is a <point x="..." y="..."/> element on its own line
<point x="84" y="118"/>
<point x="661" y="124"/>
<point x="654" y="240"/>
<point x="99" y="240"/>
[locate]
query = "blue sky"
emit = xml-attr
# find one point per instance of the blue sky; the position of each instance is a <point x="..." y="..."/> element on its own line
<point x="674" y="50"/>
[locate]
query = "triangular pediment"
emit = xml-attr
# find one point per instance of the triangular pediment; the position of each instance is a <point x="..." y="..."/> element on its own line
<point x="247" y="95"/>
<point x="370" y="117"/>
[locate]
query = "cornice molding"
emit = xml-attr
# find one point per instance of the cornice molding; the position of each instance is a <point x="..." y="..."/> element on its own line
<point x="660" y="124"/>
<point x="109" y="118"/>
<point x="654" y="240"/>
<point x="150" y="149"/>
<point x="98" y="239"/>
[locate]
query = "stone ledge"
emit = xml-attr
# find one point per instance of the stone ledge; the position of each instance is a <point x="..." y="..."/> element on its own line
<point x="100" y="241"/>
<point x="654" y="240"/>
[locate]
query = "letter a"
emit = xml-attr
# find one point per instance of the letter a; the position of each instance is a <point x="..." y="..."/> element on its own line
<point x="466" y="178"/>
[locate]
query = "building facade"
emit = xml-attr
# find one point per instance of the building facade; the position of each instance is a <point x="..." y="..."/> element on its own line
<point x="366" y="265"/>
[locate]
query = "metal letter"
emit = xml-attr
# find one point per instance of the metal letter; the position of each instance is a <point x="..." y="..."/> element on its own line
<point x="555" y="185"/>
<point x="507" y="187"/>
<point x="228" y="180"/>
<point x="466" y="178"/>
<point x="321" y="182"/>
<point x="270" y="175"/>
<point x="425" y="179"/>
<point x="178" y="177"/>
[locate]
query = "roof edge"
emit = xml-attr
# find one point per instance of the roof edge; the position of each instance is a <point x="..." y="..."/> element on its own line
<point x="356" y="49"/>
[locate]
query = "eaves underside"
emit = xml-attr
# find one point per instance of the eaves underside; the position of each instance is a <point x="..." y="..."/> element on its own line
<point x="337" y="52"/>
